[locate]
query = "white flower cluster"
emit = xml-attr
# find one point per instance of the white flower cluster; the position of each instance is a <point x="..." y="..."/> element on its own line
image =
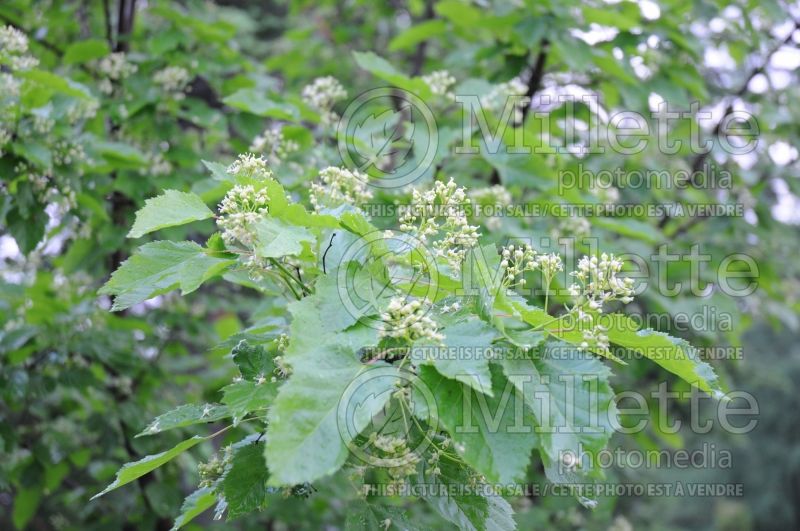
<point x="496" y="99"/>
<point x="519" y="259"/>
<point x="242" y="206"/>
<point x="440" y="82"/>
<point x="9" y="86"/>
<point x="273" y="142"/>
<point x="576" y="227"/>
<point x="14" y="49"/>
<point x="442" y="211"/>
<point x="339" y="186"/>
<point x="495" y="196"/>
<point x="403" y="460"/>
<point x="115" y="67"/>
<point x="598" y="284"/>
<point x="173" y="80"/>
<point x="322" y="94"/>
<point x="250" y="166"/>
<point x="408" y="320"/>
<point x="605" y="194"/>
<point x="84" y="109"/>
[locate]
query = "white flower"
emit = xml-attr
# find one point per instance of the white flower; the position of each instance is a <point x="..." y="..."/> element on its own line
<point x="440" y="82"/>
<point x="441" y="213"/>
<point x="248" y="165"/>
<point x="322" y="94"/>
<point x="576" y="227"/>
<point x="115" y="66"/>
<point x="14" y="49"/>
<point x="598" y="282"/>
<point x="173" y="80"/>
<point x="497" y="98"/>
<point x="272" y="142"/>
<point x="339" y="186"/>
<point x="242" y="206"/>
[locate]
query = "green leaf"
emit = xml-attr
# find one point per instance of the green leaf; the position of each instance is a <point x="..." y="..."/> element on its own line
<point x="382" y="69"/>
<point x="568" y="392"/>
<point x="276" y="238"/>
<point x="255" y="102"/>
<point x="85" y="51"/>
<point x="195" y="504"/>
<point x="55" y="83"/>
<point x="304" y="439"/>
<point x="365" y="516"/>
<point x="468" y="511"/>
<point x="253" y="361"/>
<point x="673" y="354"/>
<point x="159" y="267"/>
<point x="186" y="415"/>
<point x="168" y="210"/>
<point x="244" y="396"/>
<point x="496" y="433"/>
<point x="245" y="484"/>
<point x="464" y="354"/>
<point x="133" y="471"/>
<point x="417" y="34"/>
<point x="26" y="501"/>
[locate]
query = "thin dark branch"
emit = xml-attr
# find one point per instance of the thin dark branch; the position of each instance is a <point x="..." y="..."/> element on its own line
<point x="418" y="61"/>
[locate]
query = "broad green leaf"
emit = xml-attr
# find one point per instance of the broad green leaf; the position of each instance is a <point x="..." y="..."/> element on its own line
<point x="245" y="484"/>
<point x="494" y="434"/>
<point x="256" y="102"/>
<point x="366" y="516"/>
<point x="254" y="361"/>
<point x="186" y="415"/>
<point x="133" y="471"/>
<point x="416" y="34"/>
<point x="568" y="392"/>
<point x="276" y="238"/>
<point x="168" y="210"/>
<point x="469" y="511"/>
<point x="244" y="396"/>
<point x="55" y="83"/>
<point x="382" y="69"/>
<point x="305" y="440"/>
<point x="194" y="505"/>
<point x="159" y="267"/>
<point x="464" y="355"/>
<point x="85" y="51"/>
<point x="26" y="501"/>
<point x="674" y="354"/>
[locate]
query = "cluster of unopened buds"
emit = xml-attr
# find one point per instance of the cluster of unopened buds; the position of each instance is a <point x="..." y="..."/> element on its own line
<point x="442" y="211"/>
<point x="211" y="471"/>
<point x="407" y="319"/>
<point x="173" y="80"/>
<point x="242" y="206"/>
<point x="248" y="165"/>
<point x="273" y="142"/>
<point x="339" y="186"/>
<point x="322" y="94"/>
<point x="517" y="260"/>
<point x="598" y="282"/>
<point x="440" y="83"/>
